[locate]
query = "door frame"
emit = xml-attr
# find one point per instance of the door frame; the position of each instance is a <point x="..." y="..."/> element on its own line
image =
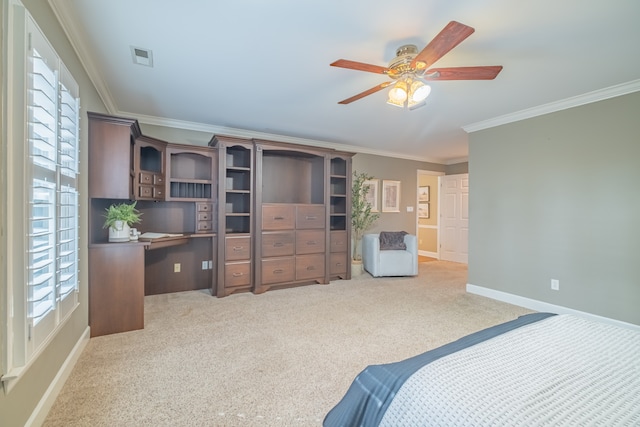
<point x="437" y="213"/>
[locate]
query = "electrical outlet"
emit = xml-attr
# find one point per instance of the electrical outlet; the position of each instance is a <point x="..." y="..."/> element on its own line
<point x="205" y="265"/>
<point x="555" y="284"/>
<point x="409" y="208"/>
<point x="176" y="267"/>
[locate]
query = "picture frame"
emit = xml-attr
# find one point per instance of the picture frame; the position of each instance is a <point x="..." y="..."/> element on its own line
<point x="423" y="193"/>
<point x="372" y="194"/>
<point x="423" y="210"/>
<point x="390" y="196"/>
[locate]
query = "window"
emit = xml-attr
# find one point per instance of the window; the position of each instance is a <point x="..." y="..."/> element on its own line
<point x="44" y="139"/>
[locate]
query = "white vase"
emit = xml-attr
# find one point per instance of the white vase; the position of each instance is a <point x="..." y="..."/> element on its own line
<point x="119" y="232"/>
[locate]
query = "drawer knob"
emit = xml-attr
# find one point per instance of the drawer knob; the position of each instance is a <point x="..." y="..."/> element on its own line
<point x="278" y="271"/>
<point x="238" y="248"/>
<point x="310" y="268"/>
<point x="278" y="218"/>
<point x="278" y="244"/>
<point x="311" y="218"/>
<point x="312" y="242"/>
<point x="238" y="274"/>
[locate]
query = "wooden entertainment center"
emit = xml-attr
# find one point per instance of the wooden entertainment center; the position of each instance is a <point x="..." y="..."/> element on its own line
<point x="253" y="215"/>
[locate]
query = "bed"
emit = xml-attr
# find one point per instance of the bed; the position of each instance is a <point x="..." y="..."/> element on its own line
<point x="539" y="369"/>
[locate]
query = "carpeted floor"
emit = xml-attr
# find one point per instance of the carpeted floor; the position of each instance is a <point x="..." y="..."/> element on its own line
<point x="282" y="358"/>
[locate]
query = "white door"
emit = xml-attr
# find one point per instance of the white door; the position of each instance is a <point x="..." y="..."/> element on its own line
<point x="454" y="210"/>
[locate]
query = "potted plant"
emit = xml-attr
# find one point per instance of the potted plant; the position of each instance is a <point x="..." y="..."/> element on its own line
<point x="361" y="216"/>
<point x="119" y="219"/>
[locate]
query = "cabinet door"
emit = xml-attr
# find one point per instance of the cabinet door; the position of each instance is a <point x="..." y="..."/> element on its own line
<point x="116" y="288"/>
<point x="110" y="158"/>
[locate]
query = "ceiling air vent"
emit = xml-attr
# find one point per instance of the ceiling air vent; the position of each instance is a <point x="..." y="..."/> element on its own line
<point x="142" y="56"/>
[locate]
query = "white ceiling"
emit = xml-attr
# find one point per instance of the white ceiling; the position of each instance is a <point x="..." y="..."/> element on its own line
<point x="256" y="67"/>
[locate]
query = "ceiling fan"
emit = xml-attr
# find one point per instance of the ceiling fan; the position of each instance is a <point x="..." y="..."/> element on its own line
<point x="410" y="68"/>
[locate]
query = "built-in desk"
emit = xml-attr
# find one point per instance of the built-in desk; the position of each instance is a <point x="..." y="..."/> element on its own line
<point x="121" y="274"/>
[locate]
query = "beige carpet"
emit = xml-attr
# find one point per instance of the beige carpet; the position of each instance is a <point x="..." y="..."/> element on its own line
<point x="283" y="358"/>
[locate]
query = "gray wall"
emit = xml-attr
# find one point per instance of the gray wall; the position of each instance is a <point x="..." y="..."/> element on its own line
<point x="405" y="171"/>
<point x="557" y="197"/>
<point x="17" y="406"/>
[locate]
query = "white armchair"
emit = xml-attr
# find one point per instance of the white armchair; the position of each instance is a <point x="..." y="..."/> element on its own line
<point x="394" y="262"/>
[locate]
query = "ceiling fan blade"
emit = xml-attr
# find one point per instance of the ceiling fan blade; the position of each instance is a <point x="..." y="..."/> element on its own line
<point x="365" y="93"/>
<point x="463" y="73"/>
<point x="450" y="36"/>
<point x="360" y="66"/>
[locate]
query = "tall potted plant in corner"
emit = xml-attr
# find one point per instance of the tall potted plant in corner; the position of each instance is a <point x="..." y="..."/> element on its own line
<point x="119" y="219"/>
<point x="361" y="216"/>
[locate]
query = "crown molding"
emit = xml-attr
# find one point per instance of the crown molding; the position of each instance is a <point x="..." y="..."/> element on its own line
<point x="62" y="11"/>
<point x="587" y="98"/>
<point x="243" y="133"/>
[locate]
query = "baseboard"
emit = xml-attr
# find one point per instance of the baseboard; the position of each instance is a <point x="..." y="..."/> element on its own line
<point x="428" y="254"/>
<point x="39" y="414"/>
<point x="536" y="305"/>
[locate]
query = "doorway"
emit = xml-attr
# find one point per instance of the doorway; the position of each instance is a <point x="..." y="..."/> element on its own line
<point x="427" y="213"/>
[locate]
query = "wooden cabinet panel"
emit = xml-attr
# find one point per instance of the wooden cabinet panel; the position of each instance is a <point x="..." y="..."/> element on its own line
<point x="310" y="241"/>
<point x="278" y="217"/>
<point x="339" y="262"/>
<point x="237" y="248"/>
<point x="310" y="267"/>
<point x="237" y="274"/>
<point x="339" y="241"/>
<point x="278" y="270"/>
<point x="110" y="156"/>
<point x="278" y="244"/>
<point x="116" y="288"/>
<point x="310" y="216"/>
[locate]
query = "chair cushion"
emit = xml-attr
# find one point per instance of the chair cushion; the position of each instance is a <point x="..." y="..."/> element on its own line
<point x="392" y="240"/>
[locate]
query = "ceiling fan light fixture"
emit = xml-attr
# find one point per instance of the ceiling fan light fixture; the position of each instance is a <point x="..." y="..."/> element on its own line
<point x="398" y="92"/>
<point x="419" y="91"/>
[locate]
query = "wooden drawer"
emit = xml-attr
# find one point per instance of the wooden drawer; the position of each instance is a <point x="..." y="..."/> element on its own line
<point x="145" y="191"/>
<point x="339" y="263"/>
<point x="310" y="267"/>
<point x="278" y="217"/>
<point x="158" y="192"/>
<point x="310" y="241"/>
<point x="278" y="270"/>
<point x="338" y="241"/>
<point x="204" y="226"/>
<point x="146" y="178"/>
<point x="204" y="207"/>
<point x="237" y="248"/>
<point x="237" y="274"/>
<point x="310" y="216"/>
<point x="278" y="244"/>
<point x="204" y="216"/>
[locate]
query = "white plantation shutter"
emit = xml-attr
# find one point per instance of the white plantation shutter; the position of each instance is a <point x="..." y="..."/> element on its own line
<point x="52" y="168"/>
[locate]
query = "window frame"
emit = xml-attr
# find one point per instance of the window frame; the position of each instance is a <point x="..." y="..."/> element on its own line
<point x="24" y="339"/>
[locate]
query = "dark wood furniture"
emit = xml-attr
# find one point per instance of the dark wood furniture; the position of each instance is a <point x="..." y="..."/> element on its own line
<point x="252" y="215"/>
<point x="173" y="186"/>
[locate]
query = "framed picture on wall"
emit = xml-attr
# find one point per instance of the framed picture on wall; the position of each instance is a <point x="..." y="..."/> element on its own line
<point x="390" y="196"/>
<point x="423" y="210"/>
<point x="372" y="193"/>
<point x="423" y="193"/>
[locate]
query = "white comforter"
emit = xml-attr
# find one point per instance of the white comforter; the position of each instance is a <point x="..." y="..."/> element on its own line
<point x="561" y="371"/>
